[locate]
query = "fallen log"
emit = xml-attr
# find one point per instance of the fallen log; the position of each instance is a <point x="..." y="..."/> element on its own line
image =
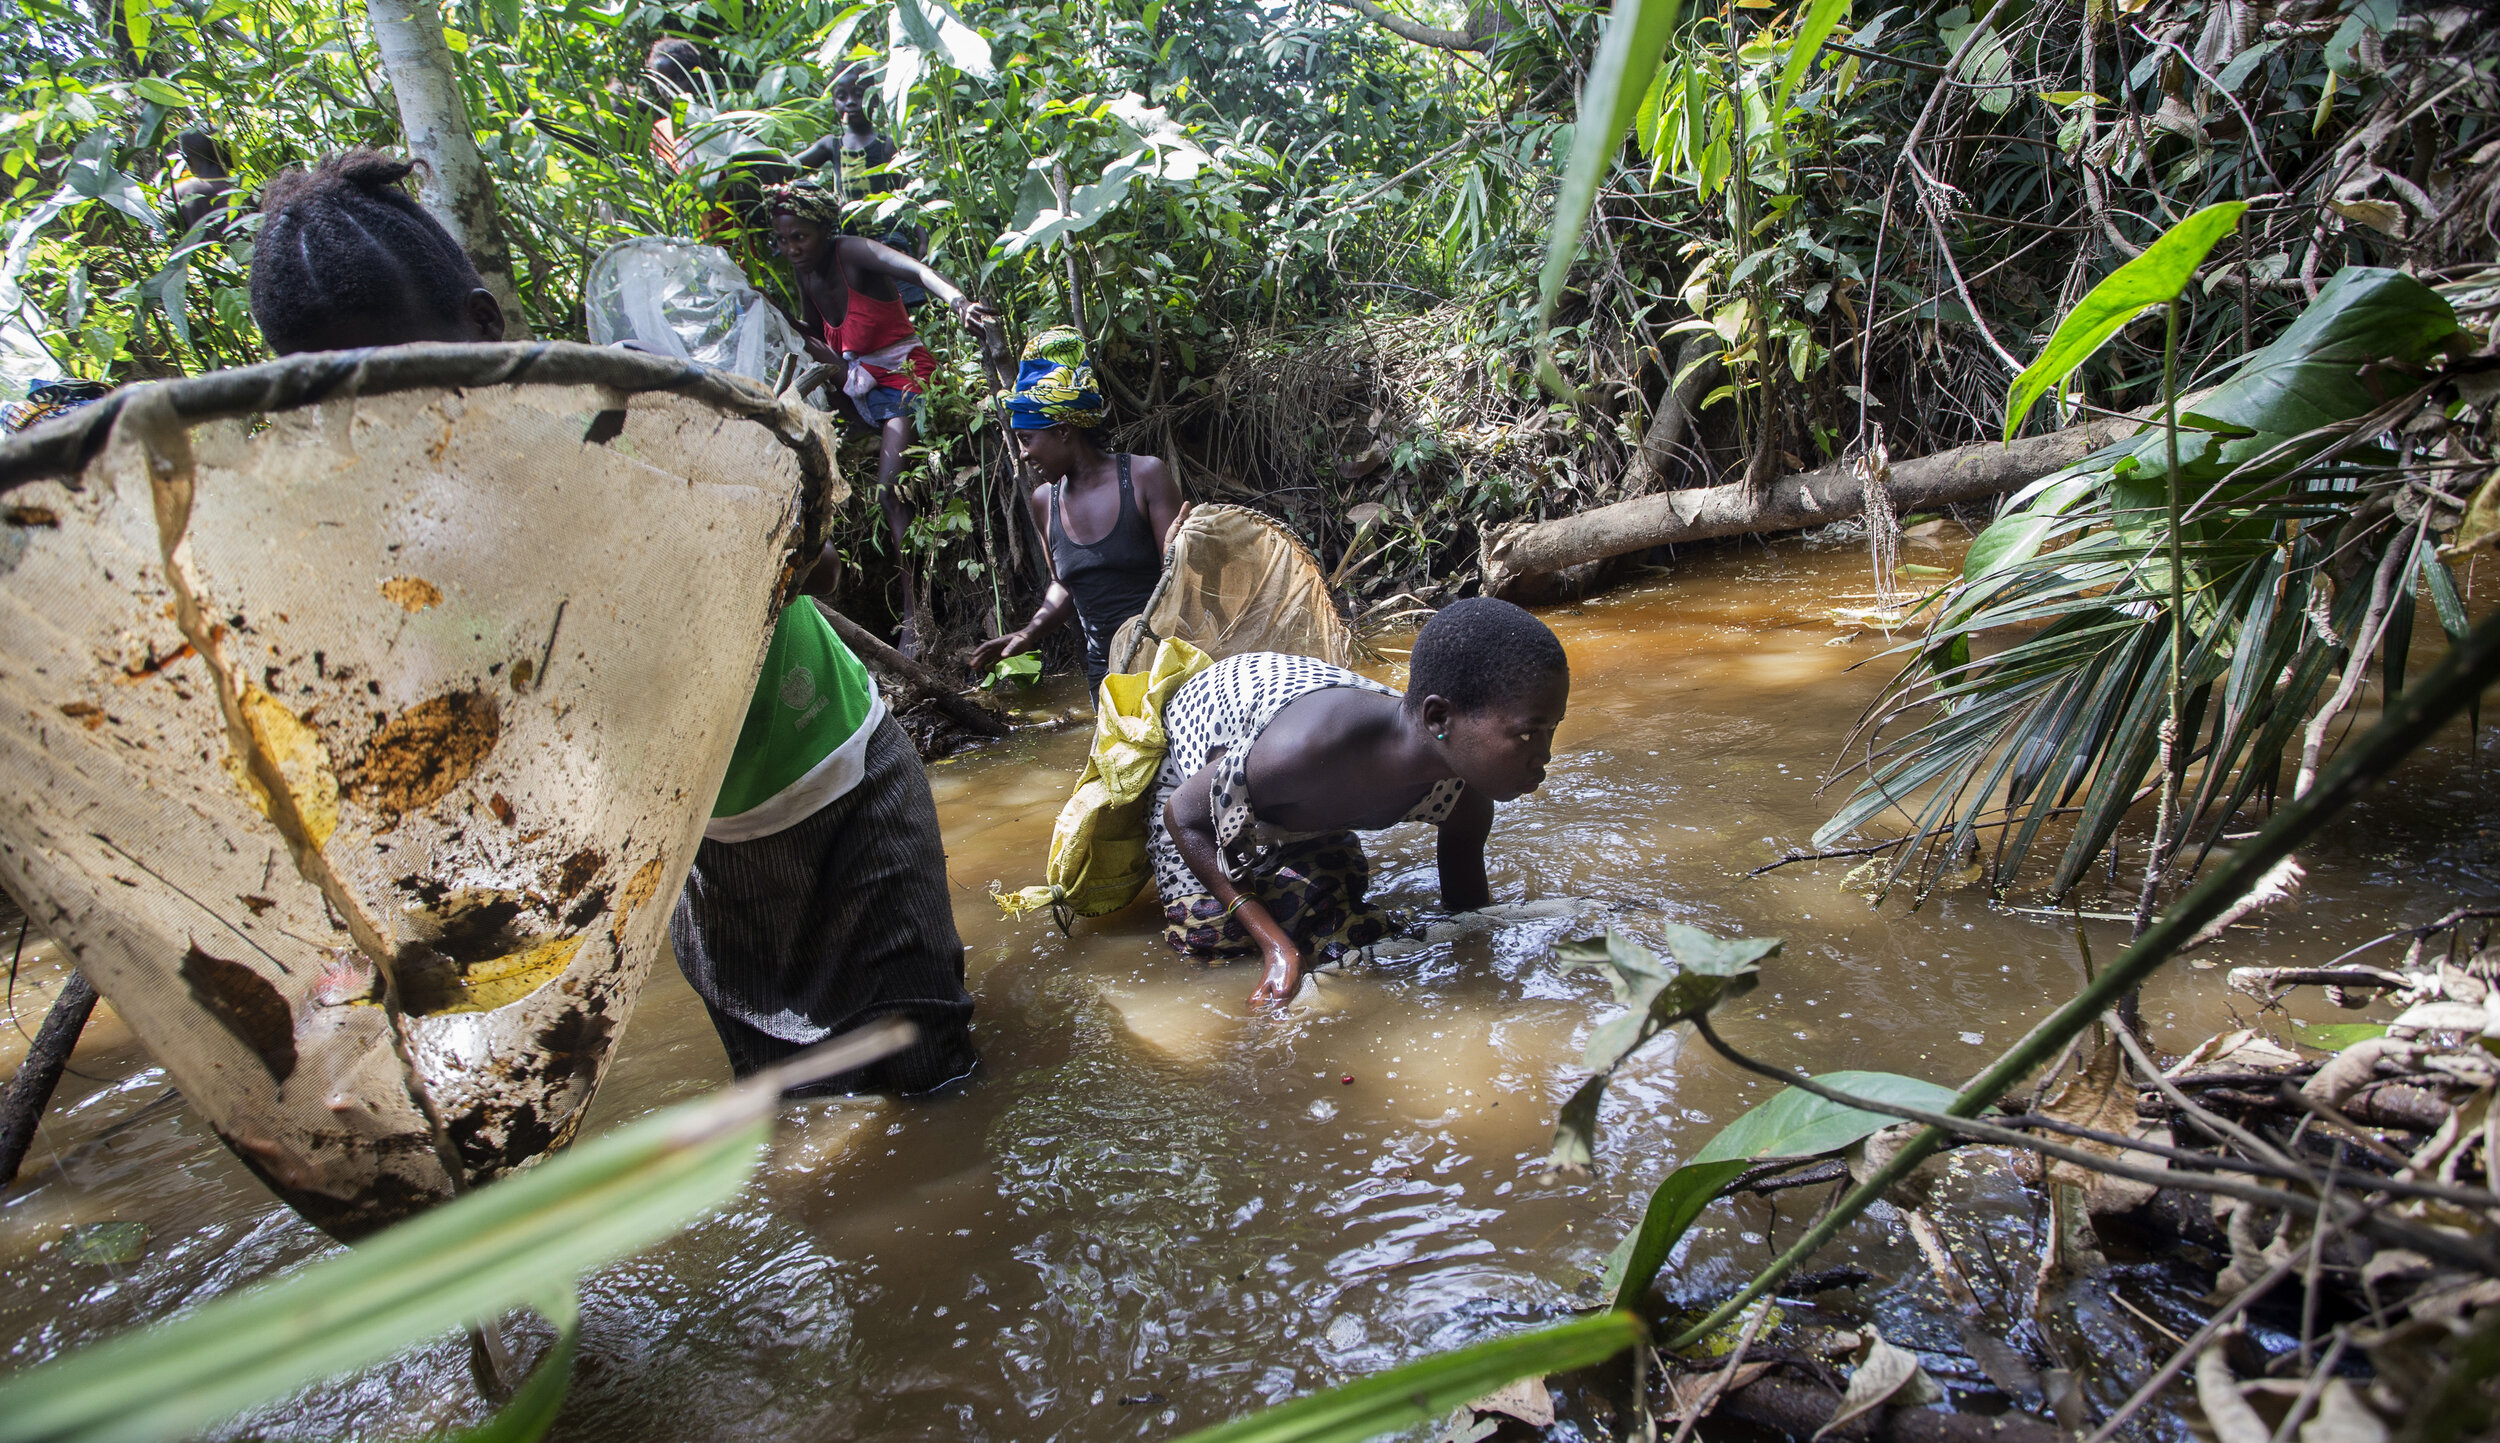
<point x="1515" y="554"/>
<point x="917" y="679"/>
<point x="22" y="1105"/>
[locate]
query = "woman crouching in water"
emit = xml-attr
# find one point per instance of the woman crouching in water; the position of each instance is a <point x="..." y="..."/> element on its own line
<point x="1277" y="761"/>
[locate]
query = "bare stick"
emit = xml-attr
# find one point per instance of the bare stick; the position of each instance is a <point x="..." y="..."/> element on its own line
<point x="961" y="710"/>
<point x="21" y="1107"/>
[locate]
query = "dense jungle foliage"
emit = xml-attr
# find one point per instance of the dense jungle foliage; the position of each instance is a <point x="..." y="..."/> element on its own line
<point x="1306" y="250"/>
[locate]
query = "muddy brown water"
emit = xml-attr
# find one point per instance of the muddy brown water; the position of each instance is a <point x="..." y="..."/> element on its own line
<point x="1153" y="1211"/>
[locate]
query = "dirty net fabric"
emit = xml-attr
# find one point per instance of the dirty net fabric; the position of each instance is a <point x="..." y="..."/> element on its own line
<point x="1234" y="582"/>
<point x="687" y="301"/>
<point x="435" y="685"/>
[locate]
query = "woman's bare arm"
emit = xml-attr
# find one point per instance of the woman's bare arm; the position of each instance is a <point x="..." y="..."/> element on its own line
<point x="1190" y="814"/>
<point x="863" y="254"/>
<point x="1461" y="852"/>
<point x="1058" y="603"/>
<point x="1159" y="497"/>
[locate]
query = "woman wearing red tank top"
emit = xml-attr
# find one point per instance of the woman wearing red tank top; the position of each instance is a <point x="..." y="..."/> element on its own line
<point x="853" y="317"/>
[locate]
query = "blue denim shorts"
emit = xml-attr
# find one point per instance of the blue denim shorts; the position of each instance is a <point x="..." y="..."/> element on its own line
<point x="885" y="403"/>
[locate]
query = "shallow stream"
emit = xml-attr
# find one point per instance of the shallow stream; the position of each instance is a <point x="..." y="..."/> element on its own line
<point x="1153" y="1210"/>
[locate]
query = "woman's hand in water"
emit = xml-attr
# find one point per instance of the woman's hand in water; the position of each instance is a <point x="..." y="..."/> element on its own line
<point x="1283" y="979"/>
<point x="989" y="653"/>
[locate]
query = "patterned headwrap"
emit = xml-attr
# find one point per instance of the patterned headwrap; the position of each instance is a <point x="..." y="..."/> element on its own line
<point x="47" y="399"/>
<point x="1055" y="386"/>
<point x="806" y="200"/>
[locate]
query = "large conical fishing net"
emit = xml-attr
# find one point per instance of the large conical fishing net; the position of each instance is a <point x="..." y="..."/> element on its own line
<point x="1235" y="581"/>
<point x="368" y="709"/>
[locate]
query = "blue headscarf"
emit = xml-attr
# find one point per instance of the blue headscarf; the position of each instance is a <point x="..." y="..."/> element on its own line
<point x="1055" y="386"/>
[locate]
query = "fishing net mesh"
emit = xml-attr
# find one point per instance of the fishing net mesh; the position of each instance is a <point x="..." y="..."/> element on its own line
<point x="367" y="727"/>
<point x="1235" y="581"/>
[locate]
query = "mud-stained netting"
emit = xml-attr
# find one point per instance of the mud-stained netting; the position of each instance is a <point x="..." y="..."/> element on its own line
<point x="1235" y="581"/>
<point x="365" y="711"/>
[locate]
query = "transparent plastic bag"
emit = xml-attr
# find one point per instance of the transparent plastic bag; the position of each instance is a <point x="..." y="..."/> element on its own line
<point x="675" y="298"/>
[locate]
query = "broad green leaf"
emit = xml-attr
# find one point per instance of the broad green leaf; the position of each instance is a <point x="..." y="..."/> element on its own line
<point x="1709" y="971"/>
<point x="1636" y="34"/>
<point x="2311" y="375"/>
<point x="500" y="1247"/>
<point x="1679" y="1199"/>
<point x="1425" y="1390"/>
<point x="1821" y="18"/>
<point x="2336" y="1036"/>
<point x="1796" y="1123"/>
<point x="1988" y="67"/>
<point x="2151" y="279"/>
<point x="836" y="48"/>
<point x="935" y="28"/>
<point x="1575" y="1128"/>
<point x="2015" y="537"/>
<point x="163" y="92"/>
<point x="2244" y="63"/>
<point x="1024" y="666"/>
<point x="1645" y="121"/>
<point x="1697" y="951"/>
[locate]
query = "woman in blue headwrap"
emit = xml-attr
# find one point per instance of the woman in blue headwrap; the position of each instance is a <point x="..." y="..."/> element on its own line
<point x="1129" y="504"/>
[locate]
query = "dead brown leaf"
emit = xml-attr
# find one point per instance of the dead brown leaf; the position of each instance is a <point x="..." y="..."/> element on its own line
<point x="2100" y="1097"/>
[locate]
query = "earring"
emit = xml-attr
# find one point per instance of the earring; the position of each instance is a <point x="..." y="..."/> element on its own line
<point x="1442" y="736"/>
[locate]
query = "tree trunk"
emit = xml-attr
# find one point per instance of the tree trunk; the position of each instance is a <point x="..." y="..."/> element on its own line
<point x="1665" y="437"/>
<point x="22" y="1105"/>
<point x="453" y="182"/>
<point x="1517" y="553"/>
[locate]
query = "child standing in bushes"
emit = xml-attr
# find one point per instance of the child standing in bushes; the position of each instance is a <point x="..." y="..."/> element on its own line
<point x="852" y="315"/>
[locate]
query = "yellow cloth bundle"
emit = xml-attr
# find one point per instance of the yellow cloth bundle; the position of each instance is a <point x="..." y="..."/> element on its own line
<point x="1098" y="846"/>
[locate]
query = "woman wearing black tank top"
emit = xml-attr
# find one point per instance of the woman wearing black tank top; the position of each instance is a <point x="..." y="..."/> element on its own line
<point x="1108" y="520"/>
<point x="1127" y="504"/>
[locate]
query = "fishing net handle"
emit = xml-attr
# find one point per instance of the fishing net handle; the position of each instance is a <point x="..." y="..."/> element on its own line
<point x="60" y="448"/>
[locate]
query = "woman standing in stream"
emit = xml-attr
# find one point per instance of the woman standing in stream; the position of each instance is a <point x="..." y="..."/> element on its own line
<point x="1129" y="504"/>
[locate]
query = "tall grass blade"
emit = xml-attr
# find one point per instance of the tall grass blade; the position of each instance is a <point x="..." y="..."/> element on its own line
<point x="518" y="1241"/>
<point x="1428" y="1388"/>
<point x="1636" y="35"/>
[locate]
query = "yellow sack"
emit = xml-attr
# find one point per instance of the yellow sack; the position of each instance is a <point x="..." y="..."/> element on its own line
<point x="1098" y="847"/>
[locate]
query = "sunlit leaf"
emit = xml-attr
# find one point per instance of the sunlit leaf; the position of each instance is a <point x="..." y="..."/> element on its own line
<point x="2151" y="279"/>
<point x="521" y="1240"/>
<point x="1796" y="1123"/>
<point x="1822" y="17"/>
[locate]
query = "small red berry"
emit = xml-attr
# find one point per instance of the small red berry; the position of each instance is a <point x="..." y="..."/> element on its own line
<point x="1348" y="1079"/>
